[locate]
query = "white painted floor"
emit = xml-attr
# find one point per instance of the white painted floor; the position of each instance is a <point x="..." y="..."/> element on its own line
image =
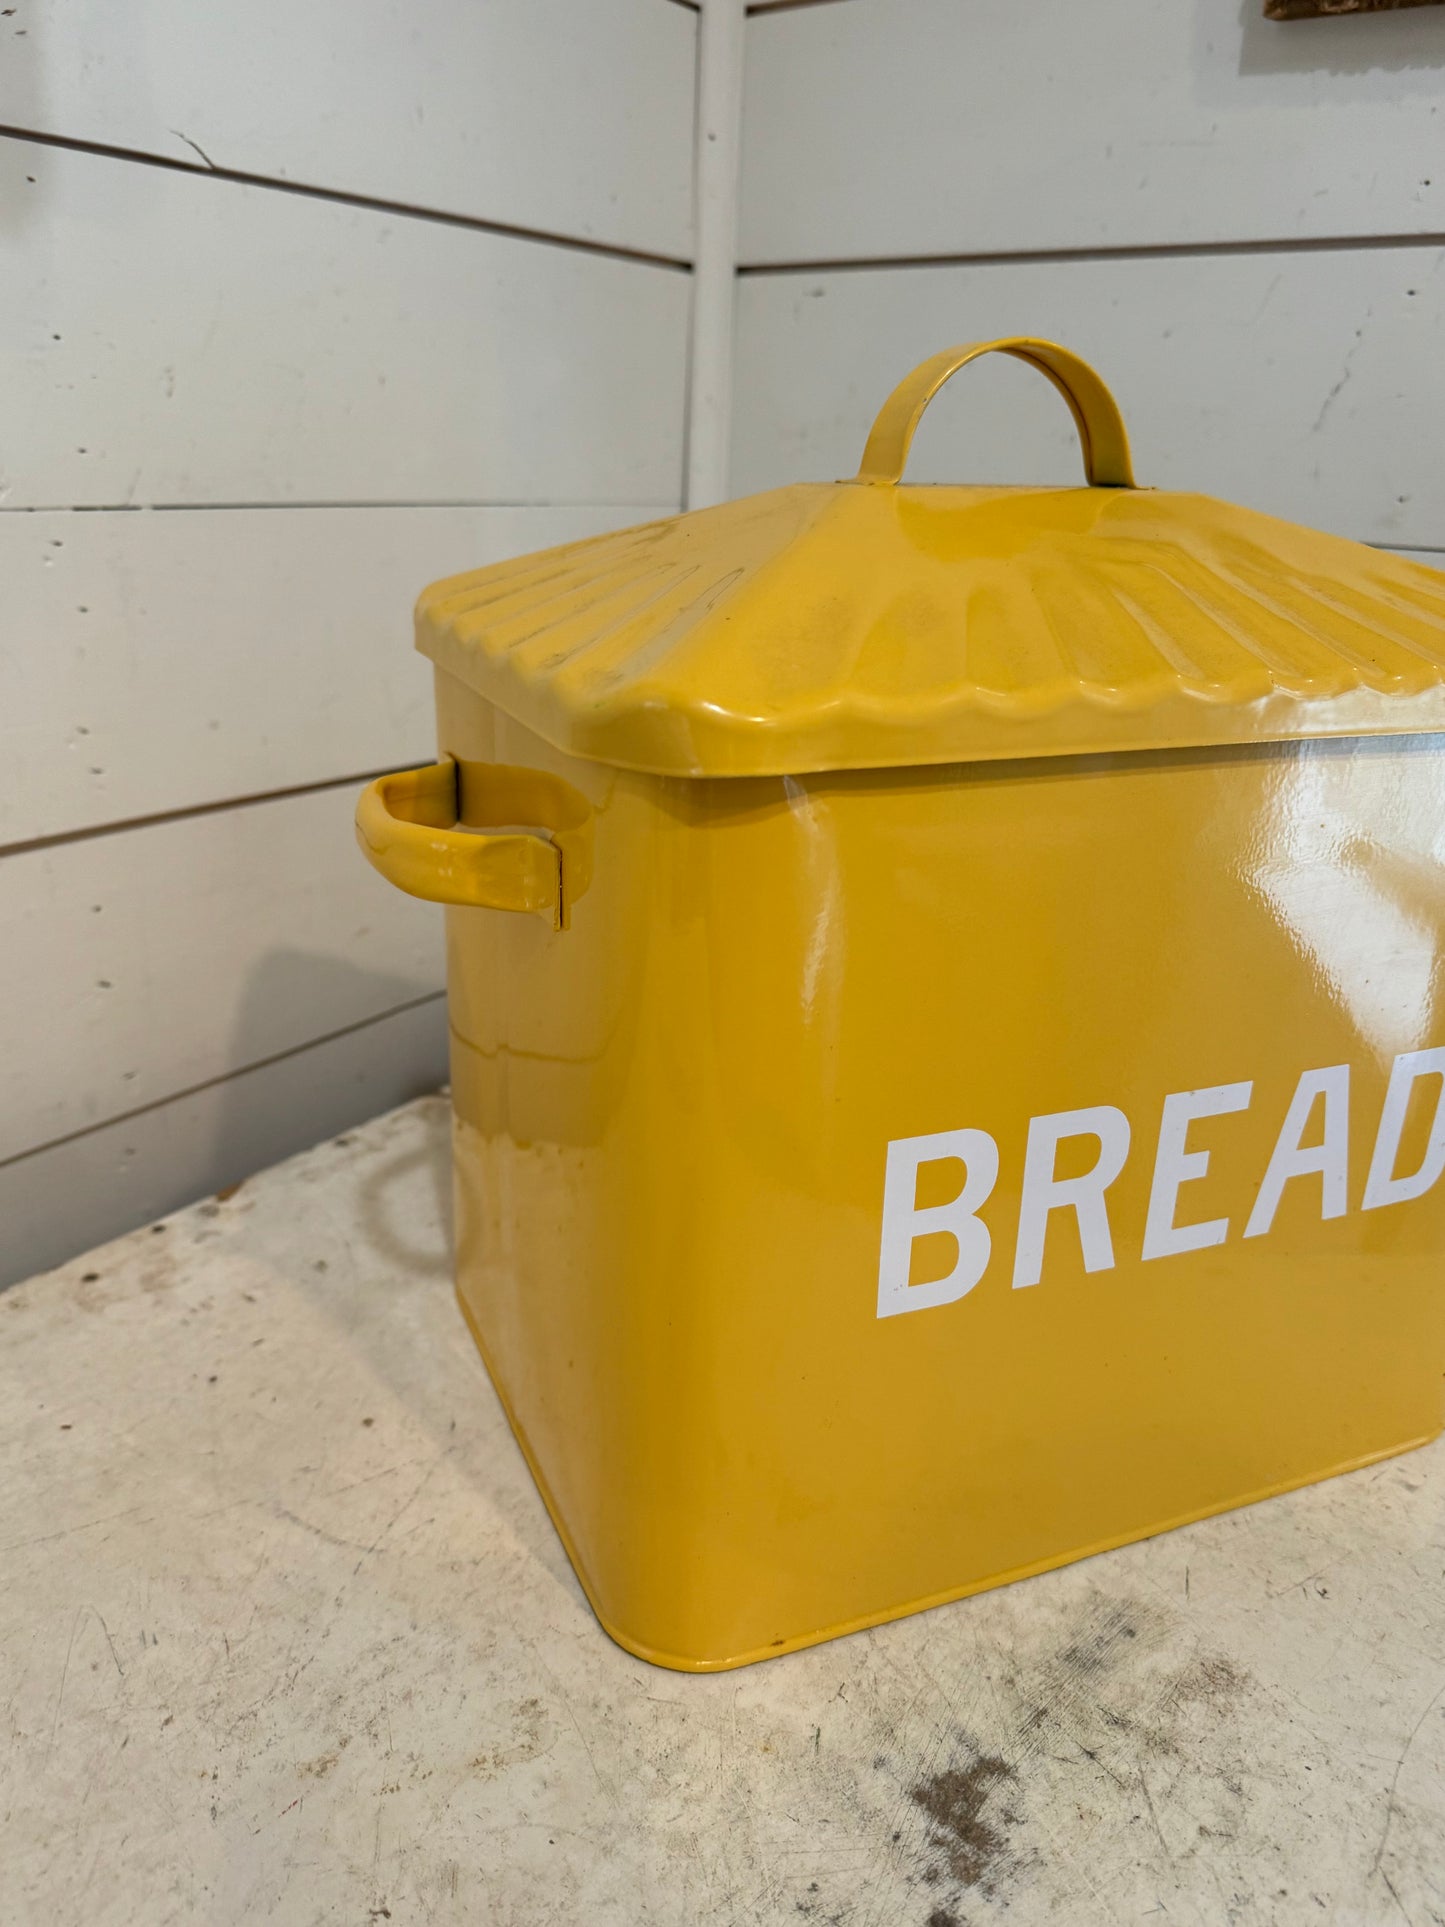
<point x="286" y="1636"/>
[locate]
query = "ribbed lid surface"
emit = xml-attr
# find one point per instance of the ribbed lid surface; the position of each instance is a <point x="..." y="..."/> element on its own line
<point x="866" y="624"/>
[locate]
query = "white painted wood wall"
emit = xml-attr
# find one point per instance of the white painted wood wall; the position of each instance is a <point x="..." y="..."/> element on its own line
<point x="1239" y="222"/>
<point x="308" y="305"/>
<point x="304" y="307"/>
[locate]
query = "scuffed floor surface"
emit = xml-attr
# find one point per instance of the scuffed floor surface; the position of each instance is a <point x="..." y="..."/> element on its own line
<point x="287" y="1636"/>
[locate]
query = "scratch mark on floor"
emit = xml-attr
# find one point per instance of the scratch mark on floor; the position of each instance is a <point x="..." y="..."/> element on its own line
<point x="1375" y="1866"/>
<point x="1153" y="1815"/>
<point x="405" y="1506"/>
<point x="109" y="1642"/>
<point x="64" y="1672"/>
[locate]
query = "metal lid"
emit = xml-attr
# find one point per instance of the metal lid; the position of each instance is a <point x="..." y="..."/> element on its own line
<point x="864" y="624"/>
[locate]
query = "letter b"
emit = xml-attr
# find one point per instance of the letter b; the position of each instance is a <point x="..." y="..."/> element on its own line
<point x="904" y="1220"/>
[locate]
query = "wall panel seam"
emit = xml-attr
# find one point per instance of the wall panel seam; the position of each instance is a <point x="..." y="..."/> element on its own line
<point x="1143" y="251"/>
<point x="405" y="210"/>
<point x="717" y="177"/>
<point x="248" y="508"/>
<point x="226" y="1077"/>
<point x="217" y="808"/>
<point x="785" y="6"/>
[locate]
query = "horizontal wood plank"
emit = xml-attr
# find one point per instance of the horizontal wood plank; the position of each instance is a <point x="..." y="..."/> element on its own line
<point x="153" y="662"/>
<point x="537" y="113"/>
<point x="1308" y="385"/>
<point x="881" y="130"/>
<point x="173" y="339"/>
<point x="142" y="963"/>
<point x="92" y="1188"/>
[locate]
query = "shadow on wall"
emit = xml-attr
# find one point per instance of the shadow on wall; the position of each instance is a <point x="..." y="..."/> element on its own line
<point x="292" y="1101"/>
<point x="1402" y="42"/>
<point x="65" y="1198"/>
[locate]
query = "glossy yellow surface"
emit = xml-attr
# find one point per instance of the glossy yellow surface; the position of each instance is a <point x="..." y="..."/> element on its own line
<point x="898" y="1180"/>
<point x="671" y="1134"/>
<point x="868" y="625"/>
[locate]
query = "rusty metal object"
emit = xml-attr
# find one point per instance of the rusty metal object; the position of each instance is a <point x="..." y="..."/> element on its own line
<point x="1322" y="9"/>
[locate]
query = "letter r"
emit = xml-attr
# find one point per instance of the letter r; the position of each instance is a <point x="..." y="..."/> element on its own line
<point x="1043" y="1192"/>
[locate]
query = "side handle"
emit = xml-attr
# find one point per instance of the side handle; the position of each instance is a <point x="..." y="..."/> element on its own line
<point x="480" y="836"/>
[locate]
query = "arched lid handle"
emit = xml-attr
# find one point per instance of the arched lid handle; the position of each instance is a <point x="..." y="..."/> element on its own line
<point x="1102" y="434"/>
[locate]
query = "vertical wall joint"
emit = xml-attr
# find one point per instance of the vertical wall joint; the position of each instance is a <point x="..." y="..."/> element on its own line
<point x="719" y="132"/>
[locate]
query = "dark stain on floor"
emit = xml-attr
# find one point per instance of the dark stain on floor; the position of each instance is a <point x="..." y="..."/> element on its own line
<point x="969" y="1838"/>
<point x="1104" y="1643"/>
<point x="1211" y="1679"/>
<point x="1113" y="1696"/>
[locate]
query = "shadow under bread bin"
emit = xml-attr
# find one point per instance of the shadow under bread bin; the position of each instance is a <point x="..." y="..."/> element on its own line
<point x="963" y="1089"/>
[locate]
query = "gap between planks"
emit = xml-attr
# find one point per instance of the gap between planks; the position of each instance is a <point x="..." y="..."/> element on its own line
<point x="191" y="508"/>
<point x="1142" y="251"/>
<point x="406" y="210"/>
<point x="61" y="837"/>
<point x="223" y="1077"/>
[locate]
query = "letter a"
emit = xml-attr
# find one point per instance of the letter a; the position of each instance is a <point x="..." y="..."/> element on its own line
<point x="1291" y="1159"/>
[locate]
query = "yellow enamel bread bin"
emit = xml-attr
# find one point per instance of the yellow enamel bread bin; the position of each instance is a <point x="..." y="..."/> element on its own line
<point x="947" y="1005"/>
